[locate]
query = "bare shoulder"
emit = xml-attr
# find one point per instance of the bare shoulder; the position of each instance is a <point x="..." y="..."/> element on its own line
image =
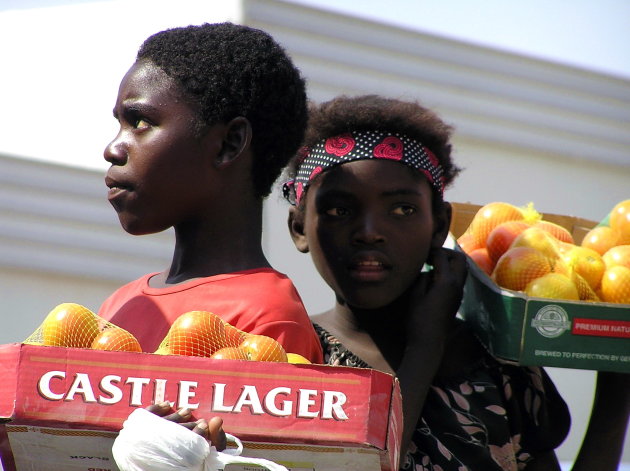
<point x="324" y="319"/>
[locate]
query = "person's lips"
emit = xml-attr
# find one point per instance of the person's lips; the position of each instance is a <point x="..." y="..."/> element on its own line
<point x="116" y="188"/>
<point x="369" y="267"/>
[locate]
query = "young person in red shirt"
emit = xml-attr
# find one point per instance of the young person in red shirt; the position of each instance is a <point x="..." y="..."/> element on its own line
<point x="209" y="115"/>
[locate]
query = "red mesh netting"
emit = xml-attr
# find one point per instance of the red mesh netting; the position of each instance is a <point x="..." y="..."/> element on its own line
<point x="204" y="334"/>
<point x="73" y="325"/>
<point x="194" y="333"/>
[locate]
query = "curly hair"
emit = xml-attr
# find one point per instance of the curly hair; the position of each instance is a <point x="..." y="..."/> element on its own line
<point x="228" y="70"/>
<point x="374" y="112"/>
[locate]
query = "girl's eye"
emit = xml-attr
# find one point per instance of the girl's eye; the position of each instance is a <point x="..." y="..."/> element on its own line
<point x="136" y="119"/>
<point x="337" y="212"/>
<point x="404" y="210"/>
<point x="139" y="123"/>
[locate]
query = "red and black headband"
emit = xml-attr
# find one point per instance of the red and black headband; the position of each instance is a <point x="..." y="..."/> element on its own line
<point x="362" y="145"/>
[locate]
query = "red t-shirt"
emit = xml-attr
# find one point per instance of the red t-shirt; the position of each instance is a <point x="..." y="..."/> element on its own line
<point x="260" y="301"/>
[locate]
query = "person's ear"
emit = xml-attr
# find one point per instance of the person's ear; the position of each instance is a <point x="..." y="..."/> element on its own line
<point x="236" y="139"/>
<point x="442" y="224"/>
<point x="296" y="229"/>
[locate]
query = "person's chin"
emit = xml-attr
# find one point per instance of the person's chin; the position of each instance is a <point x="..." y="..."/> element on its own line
<point x="369" y="299"/>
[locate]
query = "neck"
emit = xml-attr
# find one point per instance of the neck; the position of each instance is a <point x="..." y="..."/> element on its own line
<point x="381" y="324"/>
<point x="220" y="244"/>
<point x="374" y="335"/>
<point x="377" y="321"/>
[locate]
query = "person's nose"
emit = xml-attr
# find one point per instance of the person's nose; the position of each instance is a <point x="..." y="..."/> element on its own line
<point x="368" y="231"/>
<point x="116" y="151"/>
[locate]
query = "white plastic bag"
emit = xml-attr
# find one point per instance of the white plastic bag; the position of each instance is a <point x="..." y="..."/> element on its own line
<point x="148" y="442"/>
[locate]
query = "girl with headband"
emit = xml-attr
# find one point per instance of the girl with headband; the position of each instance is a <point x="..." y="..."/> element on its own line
<point x="367" y="193"/>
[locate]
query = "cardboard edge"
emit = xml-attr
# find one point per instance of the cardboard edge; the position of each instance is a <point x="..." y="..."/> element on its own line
<point x="9" y="369"/>
<point x="10" y="355"/>
<point x="391" y="460"/>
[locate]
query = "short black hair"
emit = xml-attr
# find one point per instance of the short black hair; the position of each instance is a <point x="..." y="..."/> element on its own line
<point x="230" y="70"/>
<point x="375" y="112"/>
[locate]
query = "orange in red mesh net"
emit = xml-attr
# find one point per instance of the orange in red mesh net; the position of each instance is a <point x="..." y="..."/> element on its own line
<point x="230" y="353"/>
<point x="204" y="334"/>
<point x="67" y="325"/>
<point x="262" y="348"/>
<point x="74" y="325"/>
<point x="194" y="333"/>
<point x="116" y="339"/>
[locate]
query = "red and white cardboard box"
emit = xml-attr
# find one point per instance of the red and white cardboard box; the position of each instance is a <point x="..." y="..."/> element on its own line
<point x="61" y="408"/>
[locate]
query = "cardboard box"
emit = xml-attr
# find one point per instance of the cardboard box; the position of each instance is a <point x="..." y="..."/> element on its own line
<point x="544" y="332"/>
<point x="61" y="408"/>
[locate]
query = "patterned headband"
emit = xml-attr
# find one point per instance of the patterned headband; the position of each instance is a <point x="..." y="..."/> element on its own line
<point x="362" y="145"/>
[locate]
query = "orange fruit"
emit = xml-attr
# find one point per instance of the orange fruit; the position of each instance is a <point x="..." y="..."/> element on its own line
<point x="502" y="236"/>
<point x="540" y="240"/>
<point x="563" y="248"/>
<point x="482" y="259"/>
<point x="296" y="358"/>
<point x="585" y="291"/>
<point x="467" y="242"/>
<point x="490" y="216"/>
<point x="230" y="353"/>
<point x="619" y="255"/>
<point x="233" y="336"/>
<point x="518" y="266"/>
<point x="555" y="230"/>
<point x="554" y="286"/>
<point x="70" y="325"/>
<point x="601" y="239"/>
<point x="196" y="333"/>
<point x="585" y="262"/>
<point x="116" y="339"/>
<point x="619" y="220"/>
<point x="616" y="285"/>
<point x="263" y="348"/>
<point x="560" y="266"/>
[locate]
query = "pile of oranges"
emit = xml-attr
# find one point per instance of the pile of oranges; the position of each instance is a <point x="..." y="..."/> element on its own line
<point x="194" y="333"/>
<point x="523" y="252"/>
<point x="204" y="334"/>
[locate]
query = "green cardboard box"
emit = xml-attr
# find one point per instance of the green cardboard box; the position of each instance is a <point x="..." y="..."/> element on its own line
<point x="545" y="332"/>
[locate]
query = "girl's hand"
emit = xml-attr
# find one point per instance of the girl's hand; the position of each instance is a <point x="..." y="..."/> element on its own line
<point x="211" y="430"/>
<point x="433" y="304"/>
<point x="437" y="295"/>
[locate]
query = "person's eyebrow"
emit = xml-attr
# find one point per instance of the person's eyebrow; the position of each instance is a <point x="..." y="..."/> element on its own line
<point x="402" y="192"/>
<point x="134" y="107"/>
<point x="131" y="106"/>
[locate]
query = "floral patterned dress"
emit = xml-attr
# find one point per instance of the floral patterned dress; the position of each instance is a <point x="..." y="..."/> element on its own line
<point x="490" y="416"/>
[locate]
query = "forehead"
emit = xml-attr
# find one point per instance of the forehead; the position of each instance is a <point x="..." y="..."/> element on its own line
<point x="373" y="176"/>
<point x="145" y="78"/>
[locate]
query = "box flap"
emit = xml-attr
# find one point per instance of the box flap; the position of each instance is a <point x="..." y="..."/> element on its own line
<point x="9" y="363"/>
<point x="390" y="461"/>
<point x="380" y="398"/>
<point x="496" y="315"/>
